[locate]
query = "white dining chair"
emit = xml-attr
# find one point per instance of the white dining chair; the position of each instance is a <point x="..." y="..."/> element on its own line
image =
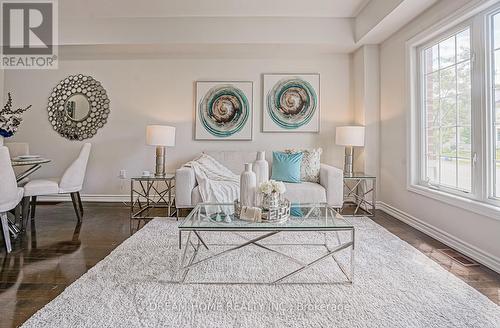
<point x="70" y="183"/>
<point x="10" y="193"/>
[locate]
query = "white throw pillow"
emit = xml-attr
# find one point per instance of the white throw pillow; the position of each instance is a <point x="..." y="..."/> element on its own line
<point x="311" y="162"/>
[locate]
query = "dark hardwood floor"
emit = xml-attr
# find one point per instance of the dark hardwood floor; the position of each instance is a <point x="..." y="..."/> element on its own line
<point x="55" y="251"/>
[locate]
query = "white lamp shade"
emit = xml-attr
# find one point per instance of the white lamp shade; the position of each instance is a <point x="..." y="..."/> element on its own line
<point x="160" y="135"/>
<point x="350" y="136"/>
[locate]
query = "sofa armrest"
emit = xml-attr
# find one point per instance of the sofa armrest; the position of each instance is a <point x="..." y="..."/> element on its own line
<point x="332" y="179"/>
<point x="185" y="182"/>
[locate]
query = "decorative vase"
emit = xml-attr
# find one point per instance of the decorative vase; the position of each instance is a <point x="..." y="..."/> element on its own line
<point x="271" y="200"/>
<point x="261" y="168"/>
<point x="248" y="186"/>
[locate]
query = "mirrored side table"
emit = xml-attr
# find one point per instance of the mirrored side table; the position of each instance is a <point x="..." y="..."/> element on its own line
<point x="152" y="197"/>
<point x="360" y="192"/>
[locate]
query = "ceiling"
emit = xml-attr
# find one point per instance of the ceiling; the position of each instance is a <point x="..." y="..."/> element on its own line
<point x="211" y="8"/>
<point x="240" y="27"/>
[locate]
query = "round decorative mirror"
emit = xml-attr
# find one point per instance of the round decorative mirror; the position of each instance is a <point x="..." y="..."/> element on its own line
<point x="78" y="106"/>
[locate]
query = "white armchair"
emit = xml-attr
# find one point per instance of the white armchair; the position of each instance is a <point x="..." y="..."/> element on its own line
<point x="10" y="194"/>
<point x="328" y="190"/>
<point x="70" y="183"/>
<point x="185" y="183"/>
<point x="332" y="179"/>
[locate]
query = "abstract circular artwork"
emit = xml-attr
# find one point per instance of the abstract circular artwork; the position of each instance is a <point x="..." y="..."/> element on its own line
<point x="78" y="106"/>
<point x="292" y="103"/>
<point x="223" y="110"/>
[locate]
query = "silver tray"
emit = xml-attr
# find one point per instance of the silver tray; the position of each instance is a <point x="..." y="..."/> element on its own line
<point x="276" y="214"/>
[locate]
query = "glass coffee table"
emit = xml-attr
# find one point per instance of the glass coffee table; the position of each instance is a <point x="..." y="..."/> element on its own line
<point x="210" y="233"/>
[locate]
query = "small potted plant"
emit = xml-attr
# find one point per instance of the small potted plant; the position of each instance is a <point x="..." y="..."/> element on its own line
<point x="10" y="119"/>
<point x="272" y="191"/>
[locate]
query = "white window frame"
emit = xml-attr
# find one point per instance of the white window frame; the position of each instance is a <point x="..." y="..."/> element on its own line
<point x="421" y="104"/>
<point x="477" y="15"/>
<point x="492" y="133"/>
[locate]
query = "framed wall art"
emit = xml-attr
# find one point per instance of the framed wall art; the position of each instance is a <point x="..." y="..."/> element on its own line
<point x="291" y="103"/>
<point x="224" y="110"/>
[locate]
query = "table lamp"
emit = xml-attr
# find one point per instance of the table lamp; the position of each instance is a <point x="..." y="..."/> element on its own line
<point x="349" y="136"/>
<point x="161" y="136"/>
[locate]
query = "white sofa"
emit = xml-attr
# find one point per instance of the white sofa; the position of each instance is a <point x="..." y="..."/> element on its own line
<point x="328" y="190"/>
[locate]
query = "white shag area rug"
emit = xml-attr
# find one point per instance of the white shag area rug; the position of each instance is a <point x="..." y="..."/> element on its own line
<point x="395" y="286"/>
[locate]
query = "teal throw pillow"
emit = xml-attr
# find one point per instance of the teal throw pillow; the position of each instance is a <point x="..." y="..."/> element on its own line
<point x="286" y="167"/>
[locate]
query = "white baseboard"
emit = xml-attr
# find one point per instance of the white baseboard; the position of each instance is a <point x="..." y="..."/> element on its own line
<point x="86" y="198"/>
<point x="456" y="243"/>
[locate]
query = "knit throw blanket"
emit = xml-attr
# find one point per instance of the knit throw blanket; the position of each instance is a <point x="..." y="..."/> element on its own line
<point x="217" y="184"/>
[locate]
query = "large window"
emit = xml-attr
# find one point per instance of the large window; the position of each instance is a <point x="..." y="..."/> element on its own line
<point x="447" y="112"/>
<point x="455" y="111"/>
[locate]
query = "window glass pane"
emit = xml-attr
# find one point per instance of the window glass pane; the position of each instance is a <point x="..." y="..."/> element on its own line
<point x="448" y="82"/>
<point x="464" y="143"/>
<point x="448" y="171"/>
<point x="463" y="78"/>
<point x="464" y="110"/>
<point x="497" y="165"/>
<point x="498" y="151"/>
<point x="496" y="31"/>
<point x="433" y="169"/>
<point x="447" y="116"/>
<point x="497" y="69"/>
<point x="432" y="86"/>
<point x="449" y="142"/>
<point x="448" y="112"/>
<point x="495" y="114"/>
<point x="433" y="142"/>
<point x="432" y="113"/>
<point x="497" y="106"/>
<point x="464" y="174"/>
<point x="497" y="191"/>
<point x="463" y="46"/>
<point x="432" y="59"/>
<point x="447" y="52"/>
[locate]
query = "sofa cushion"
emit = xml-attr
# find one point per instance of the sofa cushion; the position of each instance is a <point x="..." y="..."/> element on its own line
<point x="305" y="192"/>
<point x="233" y="160"/>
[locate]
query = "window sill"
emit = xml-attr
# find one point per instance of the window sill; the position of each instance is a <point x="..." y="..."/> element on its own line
<point x="467" y="204"/>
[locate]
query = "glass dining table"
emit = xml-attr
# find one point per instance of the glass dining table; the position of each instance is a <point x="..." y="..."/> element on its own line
<point x="30" y="165"/>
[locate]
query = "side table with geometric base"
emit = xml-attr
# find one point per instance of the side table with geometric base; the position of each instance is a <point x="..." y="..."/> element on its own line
<point x="151" y="197"/>
<point x="360" y="191"/>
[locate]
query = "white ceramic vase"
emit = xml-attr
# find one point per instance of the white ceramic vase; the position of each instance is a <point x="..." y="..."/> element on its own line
<point x="248" y="186"/>
<point x="261" y="168"/>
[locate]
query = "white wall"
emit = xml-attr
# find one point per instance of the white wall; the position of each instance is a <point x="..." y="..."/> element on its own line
<point x="478" y="234"/>
<point x="366" y="106"/>
<point x="162" y="91"/>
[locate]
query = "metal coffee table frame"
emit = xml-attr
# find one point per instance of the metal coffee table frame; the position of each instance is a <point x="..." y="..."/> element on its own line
<point x="196" y="242"/>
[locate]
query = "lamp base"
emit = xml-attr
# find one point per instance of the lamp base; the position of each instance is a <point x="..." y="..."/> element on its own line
<point x="349" y="152"/>
<point x="160" y="161"/>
